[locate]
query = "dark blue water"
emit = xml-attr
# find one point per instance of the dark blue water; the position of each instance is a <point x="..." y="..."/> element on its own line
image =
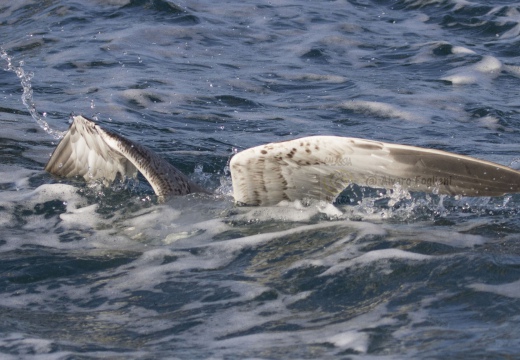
<point x="92" y="272"/>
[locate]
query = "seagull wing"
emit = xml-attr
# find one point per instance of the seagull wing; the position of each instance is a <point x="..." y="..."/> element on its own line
<point x="83" y="152"/>
<point x="93" y="153"/>
<point x="321" y="167"/>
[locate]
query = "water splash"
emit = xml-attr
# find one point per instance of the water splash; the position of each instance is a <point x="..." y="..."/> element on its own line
<point x="399" y="204"/>
<point x="27" y="95"/>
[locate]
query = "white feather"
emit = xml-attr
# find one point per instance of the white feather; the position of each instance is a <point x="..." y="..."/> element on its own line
<point x="321" y="167"/>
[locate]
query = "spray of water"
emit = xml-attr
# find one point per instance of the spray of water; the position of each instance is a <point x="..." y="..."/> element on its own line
<point x="27" y="95"/>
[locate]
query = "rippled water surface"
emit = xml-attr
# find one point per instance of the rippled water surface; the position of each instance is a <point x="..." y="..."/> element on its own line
<point x="92" y="272"/>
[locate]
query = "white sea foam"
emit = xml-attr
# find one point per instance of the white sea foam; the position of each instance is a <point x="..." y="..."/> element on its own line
<point x="486" y="69"/>
<point x="383" y="110"/>
<point x="354" y="340"/>
<point x="38" y="348"/>
<point x="490" y="122"/>
<point x="342" y="335"/>
<point x="462" y="50"/>
<point x="376" y="256"/>
<point x="440" y="235"/>
<point x="511" y="290"/>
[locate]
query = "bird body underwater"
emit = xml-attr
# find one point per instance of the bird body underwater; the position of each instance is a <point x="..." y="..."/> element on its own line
<point x="315" y="167"/>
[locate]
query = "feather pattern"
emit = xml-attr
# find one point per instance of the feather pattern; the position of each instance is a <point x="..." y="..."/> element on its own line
<point x="93" y="153"/>
<point x="321" y="167"/>
<point x="316" y="167"/>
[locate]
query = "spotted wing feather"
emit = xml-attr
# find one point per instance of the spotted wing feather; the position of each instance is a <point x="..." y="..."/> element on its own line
<point x="321" y="167"/>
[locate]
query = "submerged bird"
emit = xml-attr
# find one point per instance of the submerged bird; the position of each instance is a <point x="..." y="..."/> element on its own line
<point x="315" y="167"/>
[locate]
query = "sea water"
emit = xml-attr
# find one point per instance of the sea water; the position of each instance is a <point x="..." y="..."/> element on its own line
<point x="93" y="272"/>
